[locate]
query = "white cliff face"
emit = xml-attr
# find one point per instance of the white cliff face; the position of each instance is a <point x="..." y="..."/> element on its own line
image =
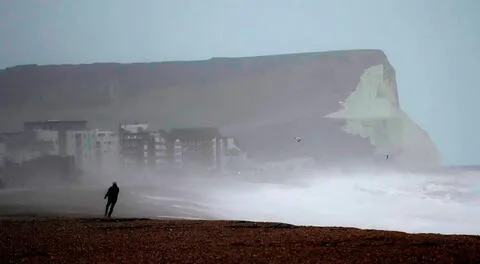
<point x="418" y="149"/>
<point x="372" y="111"/>
<point x="372" y="99"/>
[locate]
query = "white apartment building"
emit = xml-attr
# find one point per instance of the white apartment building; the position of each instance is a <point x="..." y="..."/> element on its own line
<point x="49" y="138"/>
<point x="222" y="152"/>
<point x="81" y="145"/>
<point x="95" y="151"/>
<point x="134" y="128"/>
<point x="107" y="151"/>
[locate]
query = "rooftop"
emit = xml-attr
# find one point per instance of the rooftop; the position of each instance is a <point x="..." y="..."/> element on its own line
<point x="195" y="134"/>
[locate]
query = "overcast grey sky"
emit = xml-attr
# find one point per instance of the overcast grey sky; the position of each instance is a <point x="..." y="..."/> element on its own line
<point x="433" y="44"/>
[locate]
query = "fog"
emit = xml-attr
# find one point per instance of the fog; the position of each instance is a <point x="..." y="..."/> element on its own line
<point x="412" y="202"/>
<point x="447" y="203"/>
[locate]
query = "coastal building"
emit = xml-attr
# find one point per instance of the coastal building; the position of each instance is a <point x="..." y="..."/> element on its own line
<point x="34" y="154"/>
<point x="141" y="147"/>
<point x="197" y="147"/>
<point x="94" y="151"/>
<point x="201" y="148"/>
<point x="47" y="141"/>
<point x="107" y="151"/>
<point x="235" y="158"/>
<point x="26" y="145"/>
<point x="81" y="145"/>
<point x="57" y="125"/>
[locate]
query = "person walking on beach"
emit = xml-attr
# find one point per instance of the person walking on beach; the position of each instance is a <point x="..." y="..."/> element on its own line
<point x="112" y="195"/>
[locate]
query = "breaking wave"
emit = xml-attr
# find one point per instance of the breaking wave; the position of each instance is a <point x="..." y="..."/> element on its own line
<point x="446" y="202"/>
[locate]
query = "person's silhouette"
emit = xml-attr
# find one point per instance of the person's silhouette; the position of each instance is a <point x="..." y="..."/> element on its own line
<point x="112" y="195"/>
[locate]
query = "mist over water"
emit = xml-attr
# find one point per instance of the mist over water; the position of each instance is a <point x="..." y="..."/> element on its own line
<point x="392" y="201"/>
<point x="447" y="203"/>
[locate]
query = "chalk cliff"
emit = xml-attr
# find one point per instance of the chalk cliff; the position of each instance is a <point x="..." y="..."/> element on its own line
<point x="343" y="104"/>
<point x="372" y="112"/>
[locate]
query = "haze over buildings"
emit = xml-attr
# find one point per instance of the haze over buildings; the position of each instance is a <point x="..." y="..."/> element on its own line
<point x="344" y="104"/>
<point x="394" y="69"/>
<point x="67" y="151"/>
<point x="433" y="45"/>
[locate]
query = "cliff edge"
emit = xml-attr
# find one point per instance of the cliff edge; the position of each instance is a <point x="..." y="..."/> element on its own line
<point x="343" y="104"/>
